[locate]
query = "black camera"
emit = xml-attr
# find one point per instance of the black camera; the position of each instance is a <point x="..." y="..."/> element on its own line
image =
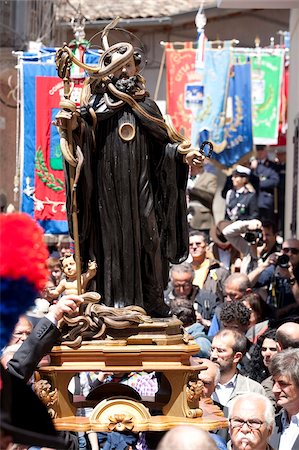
<point x="255" y="236"/>
<point x="283" y="261"/>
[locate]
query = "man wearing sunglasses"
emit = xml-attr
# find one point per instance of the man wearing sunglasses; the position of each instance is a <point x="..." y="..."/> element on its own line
<point x="251" y="421"/>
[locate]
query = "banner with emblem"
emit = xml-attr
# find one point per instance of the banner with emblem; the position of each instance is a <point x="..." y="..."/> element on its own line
<point x="184" y="85"/>
<point x="238" y="120"/>
<point x="209" y="119"/>
<point x="267" y="71"/>
<point x="41" y="171"/>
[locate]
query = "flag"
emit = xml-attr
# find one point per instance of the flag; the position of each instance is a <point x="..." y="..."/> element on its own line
<point x="41" y="171"/>
<point x="184" y="85"/>
<point x="267" y="70"/>
<point x="238" y="121"/>
<point x="209" y="119"/>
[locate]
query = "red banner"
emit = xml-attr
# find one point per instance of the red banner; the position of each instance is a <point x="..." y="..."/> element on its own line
<point x="184" y="85"/>
<point x="49" y="178"/>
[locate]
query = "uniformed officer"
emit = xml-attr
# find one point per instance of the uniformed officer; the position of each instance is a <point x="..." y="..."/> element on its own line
<point x="241" y="203"/>
<point x="268" y="177"/>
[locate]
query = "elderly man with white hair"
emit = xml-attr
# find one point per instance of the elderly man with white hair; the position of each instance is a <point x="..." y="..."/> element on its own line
<point x="251" y="421"/>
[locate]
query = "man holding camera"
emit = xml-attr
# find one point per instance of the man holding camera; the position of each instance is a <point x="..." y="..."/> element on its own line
<point x="279" y="273"/>
<point x="245" y="236"/>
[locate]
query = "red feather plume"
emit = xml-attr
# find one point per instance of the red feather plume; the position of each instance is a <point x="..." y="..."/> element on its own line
<point x="23" y="251"/>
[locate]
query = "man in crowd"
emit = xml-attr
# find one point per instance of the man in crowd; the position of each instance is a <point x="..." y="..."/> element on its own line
<point x="208" y="272"/>
<point x="279" y="274"/>
<point x="183" y="309"/>
<point x="235" y="287"/>
<point x="201" y="187"/>
<point x="21" y="331"/>
<point x="236" y="316"/>
<point x="284" y="368"/>
<point x="270" y="245"/>
<point x="287" y="335"/>
<point x="245" y="236"/>
<point x="228" y="348"/>
<point x="251" y="421"/>
<point x="210" y="376"/>
<point x="182" y="286"/>
<point x="268" y="177"/>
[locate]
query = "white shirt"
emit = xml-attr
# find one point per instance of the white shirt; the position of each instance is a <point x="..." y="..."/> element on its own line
<point x="223" y="392"/>
<point x="290" y="431"/>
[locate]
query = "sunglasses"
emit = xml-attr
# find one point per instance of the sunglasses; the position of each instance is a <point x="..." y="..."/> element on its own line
<point x="294" y="251"/>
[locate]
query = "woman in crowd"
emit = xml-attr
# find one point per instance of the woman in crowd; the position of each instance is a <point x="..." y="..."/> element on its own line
<point x="265" y="348"/>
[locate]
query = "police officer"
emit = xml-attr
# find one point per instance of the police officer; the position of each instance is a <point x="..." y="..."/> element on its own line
<point x="241" y="203"/>
<point x="268" y="177"/>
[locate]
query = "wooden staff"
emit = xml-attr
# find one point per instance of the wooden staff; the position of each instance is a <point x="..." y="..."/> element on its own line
<point x="73" y="185"/>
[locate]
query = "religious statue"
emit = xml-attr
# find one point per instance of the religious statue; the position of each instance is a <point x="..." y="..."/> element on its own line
<point x="130" y="179"/>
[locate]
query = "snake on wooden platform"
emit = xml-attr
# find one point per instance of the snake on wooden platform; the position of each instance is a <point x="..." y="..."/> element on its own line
<point x="94" y="318"/>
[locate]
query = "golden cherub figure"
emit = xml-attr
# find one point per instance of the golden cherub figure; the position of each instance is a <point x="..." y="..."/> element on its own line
<point x="68" y="285"/>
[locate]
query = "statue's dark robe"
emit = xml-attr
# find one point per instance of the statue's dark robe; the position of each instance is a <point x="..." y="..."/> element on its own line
<point x="131" y="206"/>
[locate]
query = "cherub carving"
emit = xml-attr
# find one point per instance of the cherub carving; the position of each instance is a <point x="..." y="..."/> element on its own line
<point x="68" y="285"/>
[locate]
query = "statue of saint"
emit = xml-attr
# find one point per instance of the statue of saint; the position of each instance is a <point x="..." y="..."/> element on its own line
<point x="131" y="198"/>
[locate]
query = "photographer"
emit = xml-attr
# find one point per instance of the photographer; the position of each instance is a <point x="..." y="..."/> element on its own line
<point x="279" y="273"/>
<point x="245" y="236"/>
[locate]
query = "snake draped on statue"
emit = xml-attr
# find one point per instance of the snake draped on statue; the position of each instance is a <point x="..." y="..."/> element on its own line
<point x="131" y="204"/>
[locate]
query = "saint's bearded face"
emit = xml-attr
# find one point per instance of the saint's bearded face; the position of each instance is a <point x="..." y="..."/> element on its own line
<point x="125" y="79"/>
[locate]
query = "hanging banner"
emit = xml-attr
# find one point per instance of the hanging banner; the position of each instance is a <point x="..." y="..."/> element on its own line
<point x="283" y="116"/>
<point x="184" y="85"/>
<point x="238" y="122"/>
<point x="42" y="177"/>
<point x="208" y="121"/>
<point x="267" y="70"/>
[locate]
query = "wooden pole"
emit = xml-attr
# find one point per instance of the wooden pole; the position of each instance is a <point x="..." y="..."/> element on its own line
<point x="73" y="187"/>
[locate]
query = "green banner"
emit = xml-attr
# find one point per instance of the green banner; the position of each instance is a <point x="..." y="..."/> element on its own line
<point x="266" y="78"/>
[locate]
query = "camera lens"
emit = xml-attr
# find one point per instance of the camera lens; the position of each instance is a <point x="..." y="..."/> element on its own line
<point x="283" y="261"/>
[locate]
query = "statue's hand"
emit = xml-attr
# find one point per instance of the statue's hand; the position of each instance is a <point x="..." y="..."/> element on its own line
<point x="63" y="61"/>
<point x="92" y="265"/>
<point x="194" y="158"/>
<point x="67" y="116"/>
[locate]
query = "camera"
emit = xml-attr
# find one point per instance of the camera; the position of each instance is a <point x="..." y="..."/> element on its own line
<point x="283" y="261"/>
<point x="255" y="236"/>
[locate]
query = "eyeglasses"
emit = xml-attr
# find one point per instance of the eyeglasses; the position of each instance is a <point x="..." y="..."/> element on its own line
<point x="182" y="285"/>
<point x="254" y="424"/>
<point x="293" y="250"/>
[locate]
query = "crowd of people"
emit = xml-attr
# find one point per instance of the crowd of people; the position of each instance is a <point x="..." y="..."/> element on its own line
<point x="244" y="316"/>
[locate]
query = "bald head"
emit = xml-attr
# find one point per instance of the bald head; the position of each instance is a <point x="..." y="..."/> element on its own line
<point x="186" y="437"/>
<point x="287" y="335"/>
<point x="236" y="286"/>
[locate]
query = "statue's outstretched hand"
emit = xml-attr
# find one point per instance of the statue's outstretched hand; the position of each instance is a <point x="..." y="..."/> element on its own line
<point x="92" y="265"/>
<point x="194" y="158"/>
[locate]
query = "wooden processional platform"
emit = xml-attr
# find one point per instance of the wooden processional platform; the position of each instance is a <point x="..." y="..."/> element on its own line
<point x="153" y="346"/>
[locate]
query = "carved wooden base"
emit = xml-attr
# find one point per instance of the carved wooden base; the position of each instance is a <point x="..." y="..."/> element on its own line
<point x="161" y="348"/>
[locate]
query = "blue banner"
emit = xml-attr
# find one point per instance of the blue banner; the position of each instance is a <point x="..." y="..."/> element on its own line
<point x="209" y="119"/>
<point x="238" y="122"/>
